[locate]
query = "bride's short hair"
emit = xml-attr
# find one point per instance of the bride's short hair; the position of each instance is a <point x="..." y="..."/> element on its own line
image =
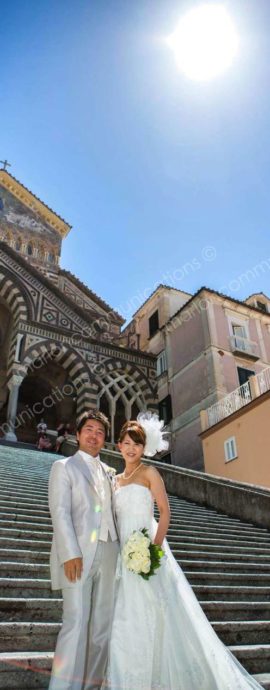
<point x="135" y="431"/>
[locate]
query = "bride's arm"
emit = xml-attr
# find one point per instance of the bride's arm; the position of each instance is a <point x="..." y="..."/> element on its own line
<point x="159" y="492"/>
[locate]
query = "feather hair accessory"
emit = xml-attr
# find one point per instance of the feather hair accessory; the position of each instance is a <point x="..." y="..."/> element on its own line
<point x="153" y="426"/>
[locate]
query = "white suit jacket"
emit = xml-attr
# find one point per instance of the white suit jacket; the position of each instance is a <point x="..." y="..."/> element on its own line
<point x="75" y="509"/>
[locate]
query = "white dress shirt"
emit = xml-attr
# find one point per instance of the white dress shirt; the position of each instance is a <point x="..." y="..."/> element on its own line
<point x="107" y="526"/>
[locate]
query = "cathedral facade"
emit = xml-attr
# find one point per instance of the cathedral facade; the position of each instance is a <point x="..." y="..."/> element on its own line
<point x="61" y="349"/>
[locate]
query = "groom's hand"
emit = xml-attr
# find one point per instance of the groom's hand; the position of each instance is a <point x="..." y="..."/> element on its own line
<point x="73" y="569"/>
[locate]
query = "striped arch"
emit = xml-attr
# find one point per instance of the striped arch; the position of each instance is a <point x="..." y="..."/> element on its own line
<point x="15" y="299"/>
<point x="67" y="358"/>
<point x="17" y="302"/>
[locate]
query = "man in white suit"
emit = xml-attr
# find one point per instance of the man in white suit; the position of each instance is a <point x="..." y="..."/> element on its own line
<point x="83" y="558"/>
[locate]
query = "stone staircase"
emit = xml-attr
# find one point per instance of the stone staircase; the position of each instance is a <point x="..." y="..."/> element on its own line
<point x="226" y="561"/>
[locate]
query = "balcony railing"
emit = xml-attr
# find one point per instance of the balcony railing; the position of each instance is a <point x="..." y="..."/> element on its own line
<point x="256" y="386"/>
<point x="263" y="379"/>
<point x="229" y="404"/>
<point x="244" y="346"/>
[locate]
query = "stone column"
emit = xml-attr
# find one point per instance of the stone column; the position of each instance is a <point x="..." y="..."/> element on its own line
<point x="204" y="420"/>
<point x="13" y="385"/>
<point x="112" y="415"/>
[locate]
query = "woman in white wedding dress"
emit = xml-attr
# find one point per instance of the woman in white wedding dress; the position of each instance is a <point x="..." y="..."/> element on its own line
<point x="160" y="638"/>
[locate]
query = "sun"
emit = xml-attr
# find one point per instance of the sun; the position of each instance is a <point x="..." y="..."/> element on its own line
<point x="205" y="42"/>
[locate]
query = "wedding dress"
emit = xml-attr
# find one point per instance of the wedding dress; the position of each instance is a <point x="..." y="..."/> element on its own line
<point x="160" y="638"/>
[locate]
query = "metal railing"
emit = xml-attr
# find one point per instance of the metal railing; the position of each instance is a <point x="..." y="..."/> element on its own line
<point x="239" y="397"/>
<point x="230" y="403"/>
<point x="263" y="379"/>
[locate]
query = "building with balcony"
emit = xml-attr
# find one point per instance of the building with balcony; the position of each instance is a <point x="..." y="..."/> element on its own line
<point x="207" y="345"/>
<point x="236" y="433"/>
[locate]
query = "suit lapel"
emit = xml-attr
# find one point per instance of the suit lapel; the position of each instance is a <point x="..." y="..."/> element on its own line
<point x="85" y="469"/>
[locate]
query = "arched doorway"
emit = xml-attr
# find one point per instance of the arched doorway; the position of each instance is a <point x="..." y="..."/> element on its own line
<point x="46" y="392"/>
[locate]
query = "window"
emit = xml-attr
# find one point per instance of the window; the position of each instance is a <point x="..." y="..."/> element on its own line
<point x="262" y="306"/>
<point x="165" y="409"/>
<point x="153" y="324"/>
<point x="29" y="250"/>
<point x="239" y="331"/>
<point x="161" y="363"/>
<point x="244" y="375"/>
<point x="230" y="449"/>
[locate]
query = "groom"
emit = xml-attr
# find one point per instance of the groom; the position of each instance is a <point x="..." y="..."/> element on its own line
<point x="83" y="558"/>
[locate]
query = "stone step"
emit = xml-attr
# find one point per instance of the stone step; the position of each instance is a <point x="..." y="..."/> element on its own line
<point x="218" y="522"/>
<point x="255" y="658"/>
<point x="26" y="525"/>
<point x="20" y="516"/>
<point x="229" y="593"/>
<point x="25" y="670"/>
<point x="217" y="529"/>
<point x="40" y="568"/>
<point x="213" y="554"/>
<point x="236" y="610"/>
<point x="29" y="570"/>
<point x="25" y="555"/>
<point x="31" y="588"/>
<point x="214" y="521"/>
<point x="263" y="679"/>
<point x="32" y="502"/>
<point x="31" y="544"/>
<point x="16" y="532"/>
<point x="14" y="481"/>
<point x="224" y="540"/>
<point x="242" y="632"/>
<point x="43" y="609"/>
<point x="219" y="565"/>
<point x="227" y="549"/>
<point x="24" y="493"/>
<point x="23" y="636"/>
<point x="23" y="609"/>
<point x="224" y="578"/>
<point x="28" y="507"/>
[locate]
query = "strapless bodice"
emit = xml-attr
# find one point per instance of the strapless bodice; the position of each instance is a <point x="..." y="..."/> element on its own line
<point x="134" y="507"/>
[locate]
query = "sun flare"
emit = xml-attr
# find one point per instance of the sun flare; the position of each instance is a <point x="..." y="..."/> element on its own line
<point x="205" y="42"/>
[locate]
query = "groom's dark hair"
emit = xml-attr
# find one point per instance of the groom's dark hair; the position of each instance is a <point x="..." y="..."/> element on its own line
<point x="96" y="415"/>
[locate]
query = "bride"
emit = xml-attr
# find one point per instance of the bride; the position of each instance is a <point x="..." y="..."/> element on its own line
<point x="160" y="638"/>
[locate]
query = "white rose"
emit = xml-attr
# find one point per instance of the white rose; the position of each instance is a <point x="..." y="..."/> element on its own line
<point x="146" y="565"/>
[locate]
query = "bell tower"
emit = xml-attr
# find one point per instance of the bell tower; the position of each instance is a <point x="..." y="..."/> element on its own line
<point x="29" y="226"/>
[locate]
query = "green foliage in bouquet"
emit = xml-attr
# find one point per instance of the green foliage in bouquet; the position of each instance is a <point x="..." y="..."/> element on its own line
<point x="156" y="554"/>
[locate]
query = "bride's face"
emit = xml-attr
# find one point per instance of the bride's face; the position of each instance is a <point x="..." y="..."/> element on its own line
<point x="131" y="451"/>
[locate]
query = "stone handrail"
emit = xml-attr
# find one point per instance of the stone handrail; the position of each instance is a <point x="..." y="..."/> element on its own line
<point x="237" y="499"/>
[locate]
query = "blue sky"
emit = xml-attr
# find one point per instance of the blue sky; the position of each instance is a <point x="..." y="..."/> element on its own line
<point x="163" y="179"/>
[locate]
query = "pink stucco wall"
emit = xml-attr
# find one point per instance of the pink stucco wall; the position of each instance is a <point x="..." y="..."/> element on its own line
<point x="191" y="387"/>
<point x="187" y="339"/>
<point x="187" y="447"/>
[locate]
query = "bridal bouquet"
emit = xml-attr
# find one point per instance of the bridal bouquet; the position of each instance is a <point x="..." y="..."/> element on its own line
<point x="140" y="556"/>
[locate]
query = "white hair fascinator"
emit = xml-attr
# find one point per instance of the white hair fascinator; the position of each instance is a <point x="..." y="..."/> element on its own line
<point x="153" y="426"/>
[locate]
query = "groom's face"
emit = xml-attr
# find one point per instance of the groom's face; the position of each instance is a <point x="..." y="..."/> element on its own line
<point x="91" y="437"/>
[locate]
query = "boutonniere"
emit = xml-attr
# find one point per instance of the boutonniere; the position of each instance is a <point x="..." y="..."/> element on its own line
<point x="111" y="472"/>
